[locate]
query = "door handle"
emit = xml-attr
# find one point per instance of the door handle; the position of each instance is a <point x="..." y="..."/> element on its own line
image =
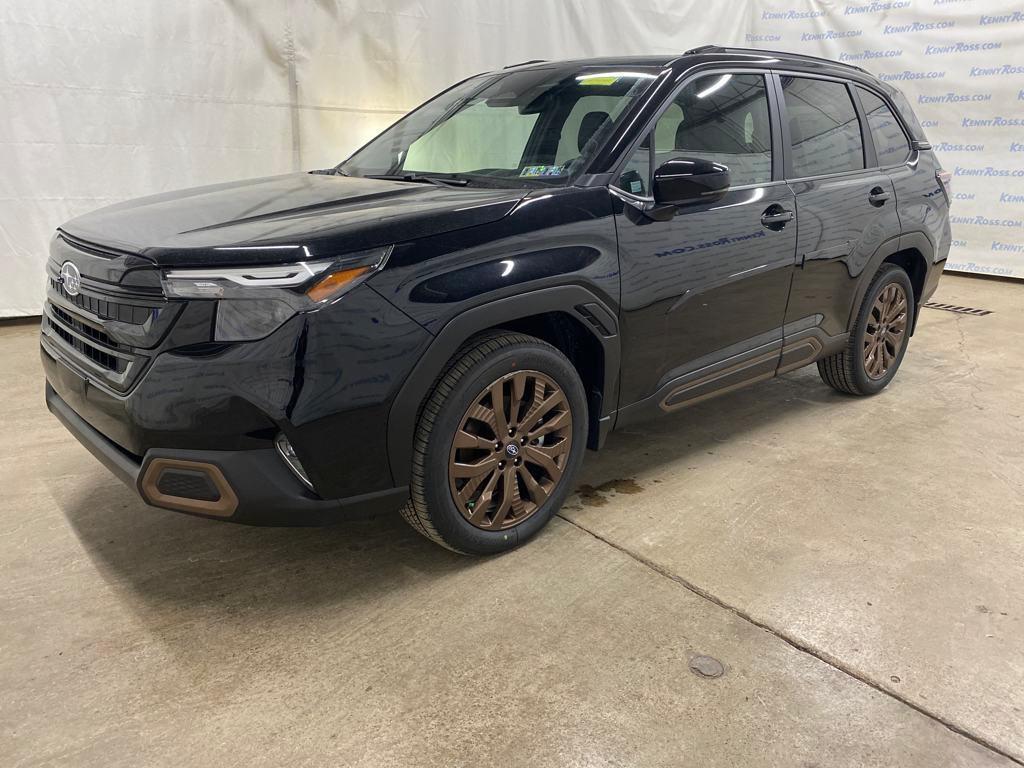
<point x="776" y="217"/>
<point x="878" y="196"/>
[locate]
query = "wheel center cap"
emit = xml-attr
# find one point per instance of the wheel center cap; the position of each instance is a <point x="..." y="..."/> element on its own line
<point x="512" y="450"/>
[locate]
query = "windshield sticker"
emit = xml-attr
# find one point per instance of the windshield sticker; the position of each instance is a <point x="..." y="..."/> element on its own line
<point x="542" y="170"/>
<point x="597" y="79"/>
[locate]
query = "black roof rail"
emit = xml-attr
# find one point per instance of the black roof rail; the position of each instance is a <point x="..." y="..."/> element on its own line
<point x="524" y="63"/>
<point x="705" y="49"/>
<point x="763" y="52"/>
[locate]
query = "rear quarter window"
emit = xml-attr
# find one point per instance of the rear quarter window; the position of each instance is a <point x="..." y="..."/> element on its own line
<point x="891" y="144"/>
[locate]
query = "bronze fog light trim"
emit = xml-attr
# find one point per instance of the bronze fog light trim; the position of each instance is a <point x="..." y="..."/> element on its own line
<point x="224" y="506"/>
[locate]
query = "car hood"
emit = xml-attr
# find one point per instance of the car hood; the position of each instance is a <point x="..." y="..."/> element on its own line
<point x="328" y="215"/>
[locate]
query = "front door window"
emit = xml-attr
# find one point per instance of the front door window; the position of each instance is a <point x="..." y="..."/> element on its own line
<point x="721" y="117"/>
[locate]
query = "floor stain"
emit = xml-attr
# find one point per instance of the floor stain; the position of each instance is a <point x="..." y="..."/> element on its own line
<point x="590" y="497"/>
<point x="593" y="496"/>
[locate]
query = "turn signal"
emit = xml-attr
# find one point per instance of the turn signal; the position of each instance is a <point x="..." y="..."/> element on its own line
<point x="335" y="283"/>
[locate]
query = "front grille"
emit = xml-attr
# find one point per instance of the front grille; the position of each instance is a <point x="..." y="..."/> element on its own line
<point x="103" y="308"/>
<point x="116" y="321"/>
<point x="63" y="324"/>
<point x="93" y="333"/>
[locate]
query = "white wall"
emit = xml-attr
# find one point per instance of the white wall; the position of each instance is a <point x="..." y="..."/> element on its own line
<point x="108" y="99"/>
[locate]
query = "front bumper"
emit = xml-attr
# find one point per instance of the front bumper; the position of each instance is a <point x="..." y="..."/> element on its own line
<point x="250" y="486"/>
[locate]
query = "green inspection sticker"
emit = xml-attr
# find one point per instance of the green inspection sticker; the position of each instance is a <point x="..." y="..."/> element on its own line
<point x="597" y="79"/>
<point x="542" y="170"/>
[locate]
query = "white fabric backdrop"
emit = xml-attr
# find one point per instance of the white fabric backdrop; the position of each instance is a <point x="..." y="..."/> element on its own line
<point x="108" y="99"/>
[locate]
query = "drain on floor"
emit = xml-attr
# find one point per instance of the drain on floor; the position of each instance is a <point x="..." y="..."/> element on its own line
<point x="955" y="308"/>
<point x="706" y="666"/>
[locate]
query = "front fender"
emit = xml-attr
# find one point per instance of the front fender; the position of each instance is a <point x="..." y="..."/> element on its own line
<point x="576" y="300"/>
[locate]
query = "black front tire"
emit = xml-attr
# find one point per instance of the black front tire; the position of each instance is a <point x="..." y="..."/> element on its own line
<point x="432" y="510"/>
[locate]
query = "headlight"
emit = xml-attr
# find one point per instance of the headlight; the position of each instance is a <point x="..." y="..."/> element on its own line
<point x="254" y="301"/>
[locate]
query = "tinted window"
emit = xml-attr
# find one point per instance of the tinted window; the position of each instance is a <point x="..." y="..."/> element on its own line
<point x="585" y="121"/>
<point x="721" y="117"/>
<point x="823" y="127"/>
<point x="519" y="128"/>
<point x="636" y="176"/>
<point x="891" y="143"/>
<point x="477" y="137"/>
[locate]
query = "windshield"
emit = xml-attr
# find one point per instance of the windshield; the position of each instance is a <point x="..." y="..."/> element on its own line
<point x="526" y="128"/>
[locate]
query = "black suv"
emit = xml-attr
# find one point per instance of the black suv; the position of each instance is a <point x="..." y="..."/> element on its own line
<point x="444" y="321"/>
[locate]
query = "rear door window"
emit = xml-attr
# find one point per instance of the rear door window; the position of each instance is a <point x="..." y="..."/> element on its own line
<point x="823" y="127"/>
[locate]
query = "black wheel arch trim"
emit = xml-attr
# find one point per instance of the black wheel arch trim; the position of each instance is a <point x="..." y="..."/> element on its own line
<point x="915" y="240"/>
<point x="567" y="299"/>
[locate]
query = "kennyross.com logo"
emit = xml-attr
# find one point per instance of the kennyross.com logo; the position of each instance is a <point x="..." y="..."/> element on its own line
<point x="1003" y="70"/>
<point x="949" y="146"/>
<point x="1006" y="18"/>
<point x="961" y="47"/>
<point x="916" y="26"/>
<point x="876" y="7"/>
<point x="869" y="55"/>
<point x="972" y="266"/>
<point x="952" y="98"/>
<point x="790" y="14"/>
<point x="1011" y="247"/>
<point x="991" y="122"/>
<point x="987" y="221"/>
<point x="909" y="75"/>
<point x="988" y="172"/>
<point x="831" y="34"/>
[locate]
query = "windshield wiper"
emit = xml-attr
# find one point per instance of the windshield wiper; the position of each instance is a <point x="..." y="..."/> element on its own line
<point x="441" y="181"/>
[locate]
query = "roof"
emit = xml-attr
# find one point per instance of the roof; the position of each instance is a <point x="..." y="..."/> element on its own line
<point x="712" y="53"/>
<point x="602" y="61"/>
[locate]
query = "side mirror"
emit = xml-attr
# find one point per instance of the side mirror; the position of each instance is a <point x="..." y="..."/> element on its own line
<point x="684" y="180"/>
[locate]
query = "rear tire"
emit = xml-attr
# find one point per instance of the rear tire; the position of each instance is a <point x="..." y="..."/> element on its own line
<point x="878" y="339"/>
<point x="485" y="480"/>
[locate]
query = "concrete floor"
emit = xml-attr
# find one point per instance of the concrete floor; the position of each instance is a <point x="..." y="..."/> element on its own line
<point x="855" y="564"/>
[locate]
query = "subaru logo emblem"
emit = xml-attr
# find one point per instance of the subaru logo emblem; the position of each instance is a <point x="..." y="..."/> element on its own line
<point x="70" y="278"/>
<point x="512" y="450"/>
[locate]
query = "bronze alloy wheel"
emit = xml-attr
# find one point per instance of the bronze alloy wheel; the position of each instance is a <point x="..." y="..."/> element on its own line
<point x="510" y="450"/>
<point x="886" y="331"/>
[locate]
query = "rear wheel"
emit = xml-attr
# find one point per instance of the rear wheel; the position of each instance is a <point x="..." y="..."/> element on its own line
<point x="497" y="446"/>
<point x="879" y="338"/>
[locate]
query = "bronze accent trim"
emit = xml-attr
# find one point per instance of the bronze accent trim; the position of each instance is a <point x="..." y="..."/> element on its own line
<point x="814" y="347"/>
<point x="674" y="394"/>
<point x="225" y="506"/>
<point x="720" y="391"/>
